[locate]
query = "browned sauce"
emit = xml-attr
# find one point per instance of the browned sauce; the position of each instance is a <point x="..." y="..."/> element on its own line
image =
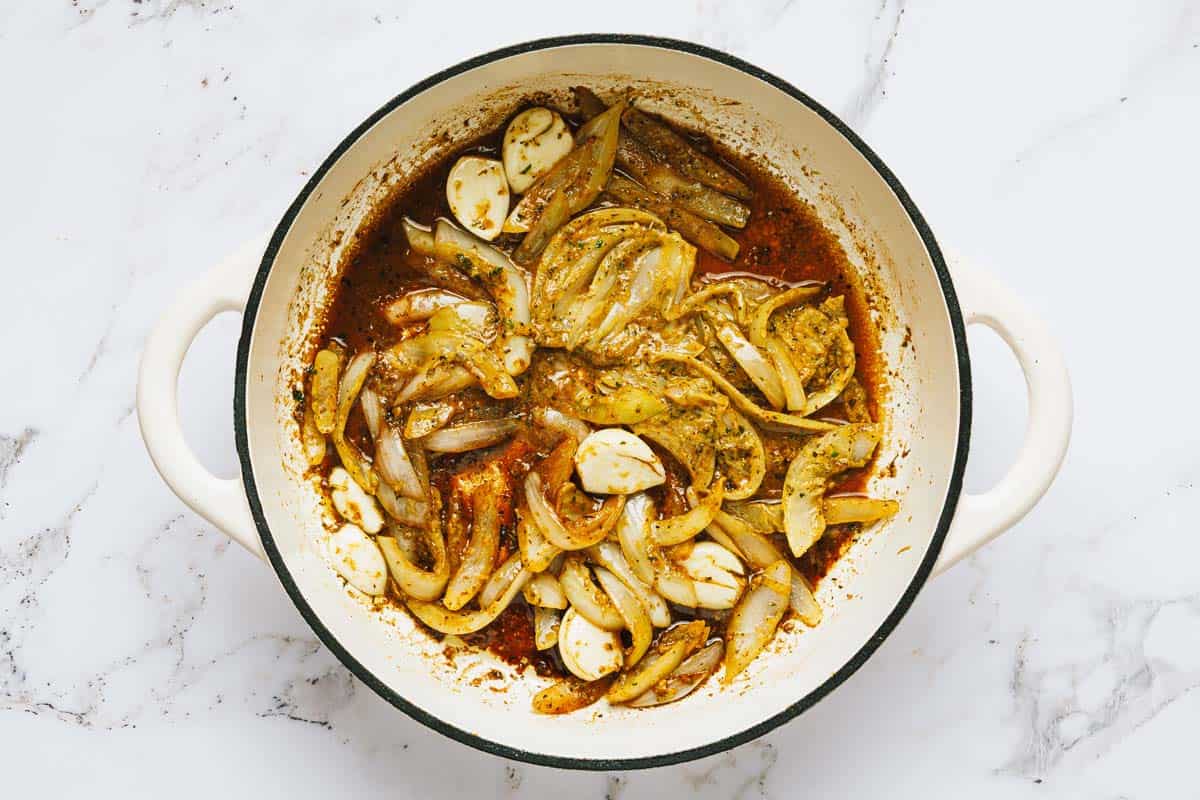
<point x="784" y="242"/>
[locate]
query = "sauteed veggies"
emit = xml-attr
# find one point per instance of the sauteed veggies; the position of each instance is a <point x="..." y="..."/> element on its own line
<point x="586" y="399"/>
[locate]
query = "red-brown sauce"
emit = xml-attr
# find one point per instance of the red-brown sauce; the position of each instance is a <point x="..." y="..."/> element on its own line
<point x="784" y="241"/>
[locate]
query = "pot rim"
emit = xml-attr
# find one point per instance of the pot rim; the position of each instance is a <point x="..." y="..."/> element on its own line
<point x="641" y="762"/>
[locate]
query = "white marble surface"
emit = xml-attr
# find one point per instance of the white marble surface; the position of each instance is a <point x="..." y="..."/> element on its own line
<point x="141" y="654"/>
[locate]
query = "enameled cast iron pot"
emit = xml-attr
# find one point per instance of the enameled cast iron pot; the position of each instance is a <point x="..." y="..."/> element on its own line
<point x="921" y="304"/>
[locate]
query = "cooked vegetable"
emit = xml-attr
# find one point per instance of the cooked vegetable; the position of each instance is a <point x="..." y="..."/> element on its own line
<point x="478" y="195"/>
<point x="634" y="614"/>
<point x="755" y="618"/>
<point x="545" y="591"/>
<point x="548" y="386"/>
<point x="535" y="141"/>
<point x="614" y="461"/>
<point x="420" y="237"/>
<point x="545" y="627"/>
<point x="413" y="580"/>
<point x="716" y="575"/>
<point x="504" y="281"/>
<point x="608" y="555"/>
<point x="685" y="679"/>
<point x="394" y="464"/>
<point x="804" y="486"/>
<point x="352" y="503"/>
<point x="572" y="184"/>
<point x="427" y="417"/>
<point x="570" y="694"/>
<point x="696" y="230"/>
<point x="672" y="647"/>
<point x="470" y="436"/>
<point x="745" y="404"/>
<point x="675" y="530"/>
<point x="576" y="535"/>
<point x="324" y="389"/>
<point x="460" y="623"/>
<point x="586" y="597"/>
<point x="420" y="305"/>
<point x="588" y="651"/>
<point x="480" y="554"/>
<point x="355" y="557"/>
<point x="500" y="579"/>
<point x="845" y="508"/>
<point x="681" y="155"/>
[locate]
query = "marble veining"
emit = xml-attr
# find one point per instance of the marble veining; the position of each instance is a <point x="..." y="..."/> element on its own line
<point x="1055" y="143"/>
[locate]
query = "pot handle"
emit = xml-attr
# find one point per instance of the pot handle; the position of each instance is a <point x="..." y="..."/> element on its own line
<point x="981" y="517"/>
<point x="220" y="501"/>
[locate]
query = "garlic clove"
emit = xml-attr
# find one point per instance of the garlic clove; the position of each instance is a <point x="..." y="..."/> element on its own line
<point x="352" y="502"/>
<point x="615" y="461"/>
<point x="478" y="195"/>
<point x="717" y="575"/>
<point x="356" y="557"/>
<point x="533" y="143"/>
<point x="587" y="650"/>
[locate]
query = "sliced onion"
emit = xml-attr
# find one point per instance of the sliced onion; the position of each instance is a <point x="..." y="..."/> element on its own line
<point x="675" y="530"/>
<point x="425" y="418"/>
<point x="555" y="420"/>
<point x="627" y="406"/>
<point x="421" y="351"/>
<point x="763" y="516"/>
<point x="536" y="551"/>
<point x="760" y="327"/>
<point x="751" y="359"/>
<point x="435" y="382"/>
<point x="420" y="237"/>
<point x="577" y="536"/>
<point x="637" y="621"/>
<point x="745" y="404"/>
<point x="480" y="555"/>
<point x="682" y="155"/>
<point x="412" y="580"/>
<point x="373" y="410"/>
<point x="586" y="597"/>
<point x="758" y="551"/>
<point x="847" y="447"/>
<point x="686" y="678"/>
<point x="407" y="510"/>
<point x="672" y="647"/>
<point x="504" y="281"/>
<point x="460" y="623"/>
<point x="570" y="694"/>
<point x="609" y="555"/>
<point x="633" y="533"/>
<point x="803" y="601"/>
<point x="470" y="436"/>
<point x="544" y="591"/>
<point x="395" y="466"/>
<point x="789" y="377"/>
<point x="420" y="305"/>
<point x="755" y="617"/>
<point x="351" y="384"/>
<point x="844" y="508"/>
<point x="545" y="627"/>
<point x="504" y="574"/>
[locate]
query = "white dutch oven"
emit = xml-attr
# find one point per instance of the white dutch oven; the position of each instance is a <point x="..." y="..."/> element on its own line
<point x="920" y="304"/>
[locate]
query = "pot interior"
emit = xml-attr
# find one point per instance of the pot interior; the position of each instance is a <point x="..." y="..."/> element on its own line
<point x="472" y="695"/>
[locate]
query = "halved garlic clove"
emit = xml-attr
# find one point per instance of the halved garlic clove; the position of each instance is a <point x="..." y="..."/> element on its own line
<point x="356" y="558"/>
<point x="478" y="195"/>
<point x="533" y="143"/>
<point x="587" y="650"/>
<point x="615" y="461"/>
<point x="717" y="575"/>
<point x="352" y="502"/>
